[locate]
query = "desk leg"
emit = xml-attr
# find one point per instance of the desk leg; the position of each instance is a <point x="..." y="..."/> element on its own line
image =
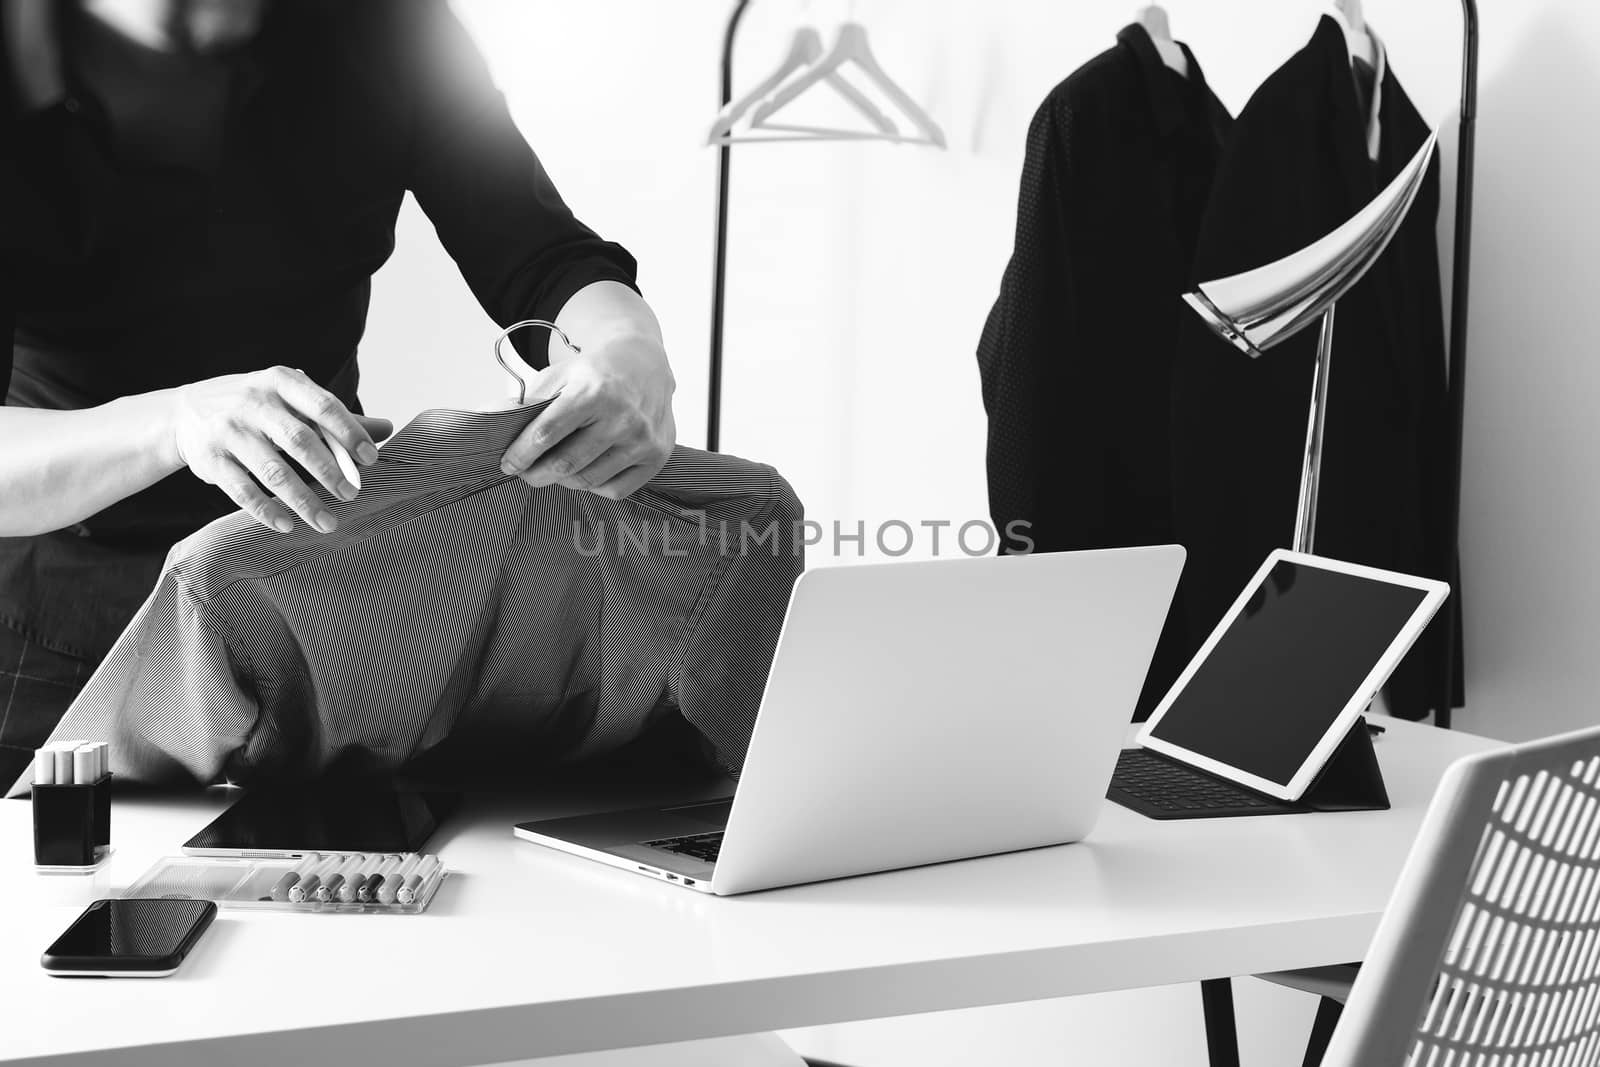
<point x="1222" y="1034"/>
<point x="1328" y="1012"/>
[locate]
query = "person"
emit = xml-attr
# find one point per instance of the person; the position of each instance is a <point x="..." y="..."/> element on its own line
<point x="194" y="196"/>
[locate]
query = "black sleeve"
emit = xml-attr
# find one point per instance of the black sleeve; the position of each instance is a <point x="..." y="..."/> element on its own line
<point x="55" y="179"/>
<point x="8" y="326"/>
<point x="495" y="208"/>
<point x="1024" y="342"/>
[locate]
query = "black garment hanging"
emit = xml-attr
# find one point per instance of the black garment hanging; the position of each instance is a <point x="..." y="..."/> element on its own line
<point x="1076" y="355"/>
<point x="1297" y="165"/>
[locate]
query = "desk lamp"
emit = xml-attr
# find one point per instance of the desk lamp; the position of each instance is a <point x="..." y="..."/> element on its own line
<point x="1264" y="307"/>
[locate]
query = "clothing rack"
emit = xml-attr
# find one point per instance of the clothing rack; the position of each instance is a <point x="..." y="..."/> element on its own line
<point x="1457" y="360"/>
<point x="719" y="269"/>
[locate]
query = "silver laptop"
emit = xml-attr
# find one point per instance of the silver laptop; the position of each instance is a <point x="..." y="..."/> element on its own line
<point x="916" y="712"/>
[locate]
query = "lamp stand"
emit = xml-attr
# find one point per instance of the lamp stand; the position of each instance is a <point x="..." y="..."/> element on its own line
<point x="1305" y="523"/>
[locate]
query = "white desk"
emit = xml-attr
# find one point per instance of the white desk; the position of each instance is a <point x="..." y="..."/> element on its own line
<point x="527" y="952"/>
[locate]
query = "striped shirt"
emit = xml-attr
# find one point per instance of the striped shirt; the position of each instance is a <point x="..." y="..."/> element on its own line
<point x="455" y="604"/>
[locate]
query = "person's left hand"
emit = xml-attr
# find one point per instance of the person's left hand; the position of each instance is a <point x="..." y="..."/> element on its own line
<point x="610" y="429"/>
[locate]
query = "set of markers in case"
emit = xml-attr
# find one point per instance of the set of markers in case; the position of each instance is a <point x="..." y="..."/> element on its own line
<point x="71" y="807"/>
<point x="399" y="883"/>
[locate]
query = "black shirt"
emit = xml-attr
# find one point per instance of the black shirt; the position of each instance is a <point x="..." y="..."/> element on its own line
<point x="1296" y="166"/>
<point x="129" y="266"/>
<point x="165" y="110"/>
<point x="1077" y="350"/>
<point x="1076" y="354"/>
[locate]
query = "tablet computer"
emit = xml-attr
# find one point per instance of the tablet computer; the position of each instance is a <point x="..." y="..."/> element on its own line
<point x="1289" y="670"/>
<point x="295" y="818"/>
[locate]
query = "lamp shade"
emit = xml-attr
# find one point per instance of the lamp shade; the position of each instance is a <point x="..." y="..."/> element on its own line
<point x="1260" y="308"/>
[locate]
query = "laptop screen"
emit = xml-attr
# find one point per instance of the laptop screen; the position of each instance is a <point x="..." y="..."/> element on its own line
<point x="1286" y="667"/>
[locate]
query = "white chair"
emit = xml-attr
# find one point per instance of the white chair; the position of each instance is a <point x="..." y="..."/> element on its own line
<point x="1489" y="952"/>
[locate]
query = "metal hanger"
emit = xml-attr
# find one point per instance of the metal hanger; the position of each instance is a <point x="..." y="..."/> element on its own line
<point x="500" y="356"/>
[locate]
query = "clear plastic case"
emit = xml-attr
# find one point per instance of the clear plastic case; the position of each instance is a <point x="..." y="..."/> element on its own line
<point x="102" y="856"/>
<point x="250" y="883"/>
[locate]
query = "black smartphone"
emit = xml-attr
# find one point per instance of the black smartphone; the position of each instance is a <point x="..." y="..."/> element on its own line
<point x="136" y="938"/>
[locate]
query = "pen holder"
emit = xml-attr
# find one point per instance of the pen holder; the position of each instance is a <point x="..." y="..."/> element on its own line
<point x="72" y="823"/>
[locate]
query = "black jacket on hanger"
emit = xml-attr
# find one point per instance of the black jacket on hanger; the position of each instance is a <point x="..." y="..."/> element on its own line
<point x="1295" y="167"/>
<point x="1076" y="355"/>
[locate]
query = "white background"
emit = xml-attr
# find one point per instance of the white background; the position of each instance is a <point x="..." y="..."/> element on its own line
<point x="861" y="274"/>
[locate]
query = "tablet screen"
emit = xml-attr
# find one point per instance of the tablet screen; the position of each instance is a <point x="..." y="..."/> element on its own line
<point x="1285" y="668"/>
<point x="325" y="817"/>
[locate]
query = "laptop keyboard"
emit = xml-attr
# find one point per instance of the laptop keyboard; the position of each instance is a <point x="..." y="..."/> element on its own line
<point x="1164" y="788"/>
<point x="696" y="846"/>
<point x="1153" y="784"/>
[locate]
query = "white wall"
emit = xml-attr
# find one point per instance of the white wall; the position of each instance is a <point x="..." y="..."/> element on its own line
<point x="861" y="275"/>
<point x="1531" y="509"/>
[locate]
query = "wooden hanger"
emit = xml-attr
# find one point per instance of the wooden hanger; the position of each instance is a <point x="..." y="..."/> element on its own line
<point x="850" y="49"/>
<point x="805" y="48"/>
<point x="1153" y="18"/>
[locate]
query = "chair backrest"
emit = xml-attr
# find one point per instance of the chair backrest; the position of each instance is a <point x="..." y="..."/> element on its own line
<point x="1489" y="952"/>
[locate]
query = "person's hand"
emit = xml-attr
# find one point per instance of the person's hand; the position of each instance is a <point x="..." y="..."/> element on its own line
<point x="610" y="429"/>
<point x="231" y="428"/>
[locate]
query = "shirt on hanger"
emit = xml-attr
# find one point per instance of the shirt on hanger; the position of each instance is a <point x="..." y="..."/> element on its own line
<point x="1076" y="354"/>
<point x="1296" y="167"/>
<point x="455" y="608"/>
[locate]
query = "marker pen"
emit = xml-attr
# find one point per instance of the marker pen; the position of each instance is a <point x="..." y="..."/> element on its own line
<point x="392" y="882"/>
<point x="308" y="885"/>
<point x="63" y="754"/>
<point x="83" y="764"/>
<point x="329" y="889"/>
<point x="382" y="861"/>
<point x="356" y="880"/>
<point x="331" y="879"/>
<point x="44" y="767"/>
<point x="413" y="885"/>
<point x="280" y="889"/>
<point x="375" y="883"/>
<point x="364" y="877"/>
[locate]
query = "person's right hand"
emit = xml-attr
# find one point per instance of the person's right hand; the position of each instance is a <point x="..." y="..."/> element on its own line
<point x="231" y="428"/>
